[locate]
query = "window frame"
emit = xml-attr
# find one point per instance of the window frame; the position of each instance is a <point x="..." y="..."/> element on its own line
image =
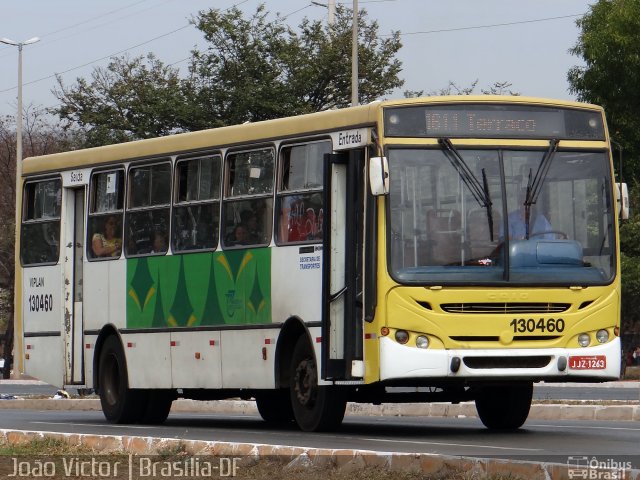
<point x="177" y="204"/>
<point x="227" y="198"/>
<point x="282" y="194"/>
<point x="129" y="210"/>
<point x="118" y="212"/>
<point x="41" y="220"/>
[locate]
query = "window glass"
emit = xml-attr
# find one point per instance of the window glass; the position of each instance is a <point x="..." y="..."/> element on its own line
<point x="147" y="220"/>
<point x="196" y="211"/>
<point x="302" y="166"/>
<point x="104" y="225"/>
<point x="40" y="235"/>
<point x="150" y="185"/>
<point x="300" y="210"/>
<point x="250" y="173"/>
<point x="107" y="190"/>
<point x="449" y="224"/>
<point x="248" y="222"/>
<point x="43" y="200"/>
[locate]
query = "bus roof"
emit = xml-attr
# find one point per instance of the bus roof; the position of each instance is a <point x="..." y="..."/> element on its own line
<point x="309" y="124"/>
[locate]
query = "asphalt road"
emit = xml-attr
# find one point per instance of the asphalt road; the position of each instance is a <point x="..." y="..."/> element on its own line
<point x="538" y="440"/>
<point x="621" y="391"/>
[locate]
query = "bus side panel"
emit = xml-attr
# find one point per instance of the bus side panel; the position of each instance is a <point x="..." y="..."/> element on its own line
<point x="42" y="307"/>
<point x="196" y="359"/>
<point x="297" y="282"/>
<point x="104" y="297"/>
<point x="248" y="357"/>
<point x="148" y="359"/>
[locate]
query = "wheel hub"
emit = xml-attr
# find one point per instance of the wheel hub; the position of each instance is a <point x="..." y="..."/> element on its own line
<point x="306" y="380"/>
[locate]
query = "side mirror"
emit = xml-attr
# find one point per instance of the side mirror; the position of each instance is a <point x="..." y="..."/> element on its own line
<point x="622" y="200"/>
<point x="379" y="176"/>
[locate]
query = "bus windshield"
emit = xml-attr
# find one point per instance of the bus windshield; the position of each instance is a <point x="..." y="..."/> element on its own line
<point x="522" y="217"/>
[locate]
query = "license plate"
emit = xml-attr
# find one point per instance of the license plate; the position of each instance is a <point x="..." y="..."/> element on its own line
<point x="594" y="362"/>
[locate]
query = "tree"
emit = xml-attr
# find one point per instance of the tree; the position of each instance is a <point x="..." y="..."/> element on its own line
<point x="40" y="137"/>
<point x="609" y="45"/>
<point x="258" y="68"/>
<point x="497" y="88"/>
<point x="132" y="98"/>
<point x="255" y="68"/>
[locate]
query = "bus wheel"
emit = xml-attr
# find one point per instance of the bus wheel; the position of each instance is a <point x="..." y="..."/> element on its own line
<point x="274" y="406"/>
<point x="315" y="407"/>
<point x="120" y="404"/>
<point x="157" y="407"/>
<point x="504" y="407"/>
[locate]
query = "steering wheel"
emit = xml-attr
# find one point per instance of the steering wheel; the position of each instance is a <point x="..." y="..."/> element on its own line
<point x="559" y="233"/>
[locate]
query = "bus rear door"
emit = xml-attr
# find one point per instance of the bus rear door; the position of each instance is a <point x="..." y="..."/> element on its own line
<point x="72" y="258"/>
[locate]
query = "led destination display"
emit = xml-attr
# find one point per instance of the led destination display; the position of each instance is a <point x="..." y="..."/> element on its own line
<point x="493" y="121"/>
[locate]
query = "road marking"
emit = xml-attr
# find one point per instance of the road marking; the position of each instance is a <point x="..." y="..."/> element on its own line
<point x="583" y="426"/>
<point x="94" y="425"/>
<point x="454" y="444"/>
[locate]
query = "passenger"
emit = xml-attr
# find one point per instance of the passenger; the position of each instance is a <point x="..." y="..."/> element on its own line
<point x="239" y="236"/>
<point x="159" y="242"/>
<point x="250" y="222"/>
<point x="107" y="244"/>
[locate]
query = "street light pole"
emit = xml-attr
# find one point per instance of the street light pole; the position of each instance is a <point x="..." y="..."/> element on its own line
<point x="354" y="56"/>
<point x="19" y="116"/>
<point x="17" y="306"/>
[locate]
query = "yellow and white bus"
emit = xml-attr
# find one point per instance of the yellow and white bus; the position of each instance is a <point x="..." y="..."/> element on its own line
<point x="465" y="247"/>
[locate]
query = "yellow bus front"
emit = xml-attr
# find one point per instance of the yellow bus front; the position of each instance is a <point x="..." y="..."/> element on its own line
<point x="498" y="257"/>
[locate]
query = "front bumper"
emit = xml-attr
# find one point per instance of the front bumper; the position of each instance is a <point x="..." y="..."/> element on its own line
<point x="405" y="362"/>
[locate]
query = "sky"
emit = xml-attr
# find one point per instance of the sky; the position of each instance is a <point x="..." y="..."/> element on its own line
<point x="524" y="43"/>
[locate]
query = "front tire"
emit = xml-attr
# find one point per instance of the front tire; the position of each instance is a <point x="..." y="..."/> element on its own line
<point x="120" y="404"/>
<point x="504" y="407"/>
<point x="315" y="408"/>
<point x="274" y="406"/>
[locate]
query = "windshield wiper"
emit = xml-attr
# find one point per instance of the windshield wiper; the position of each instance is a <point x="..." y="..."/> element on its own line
<point x="534" y="186"/>
<point x="485" y="185"/>
<point x="480" y="191"/>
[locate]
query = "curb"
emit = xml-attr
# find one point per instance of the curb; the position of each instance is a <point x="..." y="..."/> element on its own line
<point x="467" y="409"/>
<point x="303" y="457"/>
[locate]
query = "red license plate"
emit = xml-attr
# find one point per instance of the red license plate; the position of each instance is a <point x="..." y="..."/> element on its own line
<point x="594" y="362"/>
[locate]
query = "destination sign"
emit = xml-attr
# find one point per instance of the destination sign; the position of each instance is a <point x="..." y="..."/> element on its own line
<point x="494" y="121"/>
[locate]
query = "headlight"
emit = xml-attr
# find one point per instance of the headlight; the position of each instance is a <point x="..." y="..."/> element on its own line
<point x="402" y="336"/>
<point x="584" y="339"/>
<point x="602" y="336"/>
<point x="422" y="341"/>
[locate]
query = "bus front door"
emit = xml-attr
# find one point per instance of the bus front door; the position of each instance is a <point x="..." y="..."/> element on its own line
<point x="342" y="265"/>
<point x="73" y="252"/>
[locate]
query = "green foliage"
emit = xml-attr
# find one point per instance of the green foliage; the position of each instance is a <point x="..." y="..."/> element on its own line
<point x="130" y="99"/>
<point x="254" y="69"/>
<point x="497" y="88"/>
<point x="609" y="45"/>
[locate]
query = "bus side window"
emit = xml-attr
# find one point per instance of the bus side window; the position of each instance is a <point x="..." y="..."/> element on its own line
<point x="147" y="216"/>
<point x="104" y="226"/>
<point x="196" y="204"/>
<point x="40" y="235"/>
<point x="300" y="211"/>
<point x="247" y="213"/>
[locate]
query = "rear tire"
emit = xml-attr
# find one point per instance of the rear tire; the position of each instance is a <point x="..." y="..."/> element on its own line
<point x="315" y="408"/>
<point x="120" y="404"/>
<point x="504" y="407"/>
<point x="158" y="406"/>
<point x="274" y="406"/>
